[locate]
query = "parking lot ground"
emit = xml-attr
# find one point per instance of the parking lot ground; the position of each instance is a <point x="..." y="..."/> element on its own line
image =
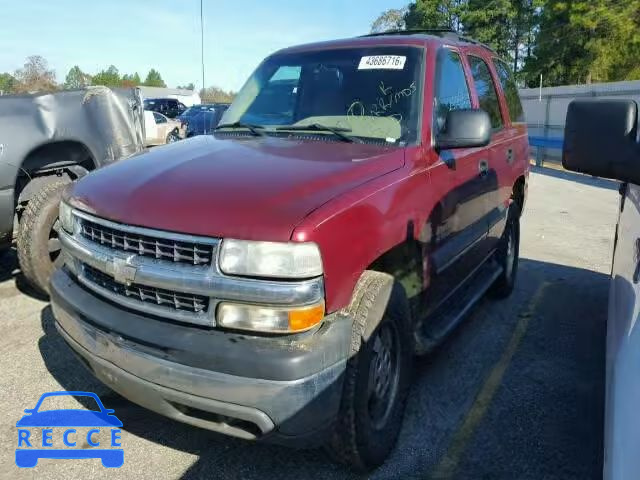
<point x="516" y="392"/>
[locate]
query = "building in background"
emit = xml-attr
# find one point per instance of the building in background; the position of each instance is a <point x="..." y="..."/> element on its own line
<point x="545" y="109"/>
<point x="187" y="97"/>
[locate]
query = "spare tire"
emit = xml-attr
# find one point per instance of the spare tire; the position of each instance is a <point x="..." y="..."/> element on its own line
<point x="38" y="242"/>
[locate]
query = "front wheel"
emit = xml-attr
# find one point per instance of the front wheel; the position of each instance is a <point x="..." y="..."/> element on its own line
<point x="377" y="376"/>
<point x="38" y="242"/>
<point x="507" y="255"/>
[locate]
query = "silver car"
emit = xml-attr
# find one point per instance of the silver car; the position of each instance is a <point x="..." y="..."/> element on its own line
<point x="601" y="139"/>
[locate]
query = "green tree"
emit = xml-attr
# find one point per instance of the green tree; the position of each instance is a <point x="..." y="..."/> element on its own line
<point x="392" y="19"/>
<point x="189" y="86"/>
<point x="7" y="84"/>
<point x="491" y="23"/>
<point x="426" y="14"/>
<point x="154" y="79"/>
<point x="76" y="78"/>
<point x="216" y="94"/>
<point x="108" y="78"/>
<point x="130" y="81"/>
<point x="586" y="41"/>
<point x="35" y="76"/>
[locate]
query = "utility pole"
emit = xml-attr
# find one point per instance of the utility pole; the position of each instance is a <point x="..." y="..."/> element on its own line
<point x="539" y="89"/>
<point x="202" y="42"/>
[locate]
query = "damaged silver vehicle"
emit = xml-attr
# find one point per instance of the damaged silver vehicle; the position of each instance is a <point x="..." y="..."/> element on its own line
<point x="47" y="141"/>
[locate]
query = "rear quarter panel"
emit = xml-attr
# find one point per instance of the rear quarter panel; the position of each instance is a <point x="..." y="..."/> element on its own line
<point x="103" y="120"/>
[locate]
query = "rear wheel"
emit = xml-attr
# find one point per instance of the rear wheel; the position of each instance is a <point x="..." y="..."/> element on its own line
<point x="377" y="376"/>
<point x="172" y="137"/>
<point x="38" y="241"/>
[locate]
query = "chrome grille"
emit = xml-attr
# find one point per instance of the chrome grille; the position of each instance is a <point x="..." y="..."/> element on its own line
<point x="147" y="245"/>
<point x="166" y="298"/>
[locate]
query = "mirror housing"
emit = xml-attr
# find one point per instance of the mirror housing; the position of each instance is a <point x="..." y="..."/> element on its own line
<point x="465" y="129"/>
<point x="600" y="139"/>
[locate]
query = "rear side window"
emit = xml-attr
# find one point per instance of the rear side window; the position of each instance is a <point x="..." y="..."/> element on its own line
<point x="487" y="92"/>
<point x="510" y="90"/>
<point x="452" y="91"/>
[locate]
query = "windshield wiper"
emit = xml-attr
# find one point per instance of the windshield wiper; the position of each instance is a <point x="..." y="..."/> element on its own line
<point x="318" y="127"/>
<point x="254" y="129"/>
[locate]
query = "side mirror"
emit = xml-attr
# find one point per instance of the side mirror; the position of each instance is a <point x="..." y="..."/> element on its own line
<point x="465" y="129"/>
<point x="600" y="139"/>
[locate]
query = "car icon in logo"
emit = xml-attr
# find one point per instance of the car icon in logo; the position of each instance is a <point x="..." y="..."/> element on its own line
<point x="46" y="420"/>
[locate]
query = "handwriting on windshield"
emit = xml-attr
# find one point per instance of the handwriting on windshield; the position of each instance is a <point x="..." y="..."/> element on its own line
<point x="384" y="103"/>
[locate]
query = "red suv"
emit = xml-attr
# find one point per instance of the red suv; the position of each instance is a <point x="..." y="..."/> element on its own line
<point x="274" y="280"/>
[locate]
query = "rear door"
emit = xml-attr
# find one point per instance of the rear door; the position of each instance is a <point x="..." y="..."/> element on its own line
<point x="162" y="127"/>
<point x="150" y="128"/>
<point x="500" y="148"/>
<point x="622" y="426"/>
<point x="459" y="226"/>
<point x="512" y="157"/>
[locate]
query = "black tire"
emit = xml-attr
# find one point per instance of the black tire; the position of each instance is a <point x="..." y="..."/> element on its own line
<point x="37" y="243"/>
<point x="172" y="137"/>
<point x="369" y="422"/>
<point x="508" y="255"/>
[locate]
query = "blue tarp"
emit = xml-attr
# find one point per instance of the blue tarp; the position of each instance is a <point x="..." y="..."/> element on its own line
<point x="546" y="142"/>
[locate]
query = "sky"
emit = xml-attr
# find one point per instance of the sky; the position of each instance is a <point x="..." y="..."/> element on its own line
<point x="137" y="35"/>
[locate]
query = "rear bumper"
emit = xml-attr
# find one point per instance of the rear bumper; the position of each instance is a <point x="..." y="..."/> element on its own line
<point x="297" y="409"/>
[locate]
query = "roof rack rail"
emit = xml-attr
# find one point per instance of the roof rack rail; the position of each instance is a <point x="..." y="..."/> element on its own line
<point x="444" y="32"/>
<point x="427" y="31"/>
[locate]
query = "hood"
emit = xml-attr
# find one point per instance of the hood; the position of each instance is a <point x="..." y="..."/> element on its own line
<point x="247" y="188"/>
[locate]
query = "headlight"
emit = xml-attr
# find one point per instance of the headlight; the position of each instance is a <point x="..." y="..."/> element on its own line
<point x="269" y="319"/>
<point x="270" y="259"/>
<point x="66" y="217"/>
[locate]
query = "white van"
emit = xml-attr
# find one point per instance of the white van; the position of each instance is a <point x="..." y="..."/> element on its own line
<point x="601" y="139"/>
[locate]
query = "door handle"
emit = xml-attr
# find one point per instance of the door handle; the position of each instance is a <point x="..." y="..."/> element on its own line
<point x="510" y="155"/>
<point x="483" y="167"/>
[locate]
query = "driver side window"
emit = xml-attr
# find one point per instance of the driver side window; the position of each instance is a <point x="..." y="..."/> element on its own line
<point x="276" y="102"/>
<point x="452" y="90"/>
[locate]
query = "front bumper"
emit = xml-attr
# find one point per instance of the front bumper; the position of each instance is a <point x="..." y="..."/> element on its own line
<point x="285" y="390"/>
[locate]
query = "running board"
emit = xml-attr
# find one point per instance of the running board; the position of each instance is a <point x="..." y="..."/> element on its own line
<point x="433" y="330"/>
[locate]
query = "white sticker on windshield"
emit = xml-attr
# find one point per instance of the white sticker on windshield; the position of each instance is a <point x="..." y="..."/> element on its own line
<point x="382" y="62"/>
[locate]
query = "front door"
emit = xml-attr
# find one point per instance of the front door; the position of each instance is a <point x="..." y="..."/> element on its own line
<point x="460" y="178"/>
<point x="500" y="150"/>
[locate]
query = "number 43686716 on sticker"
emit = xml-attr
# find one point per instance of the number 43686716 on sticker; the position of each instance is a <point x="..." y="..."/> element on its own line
<point x="386" y="62"/>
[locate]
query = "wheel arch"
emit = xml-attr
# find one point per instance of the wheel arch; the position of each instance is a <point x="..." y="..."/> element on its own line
<point x="48" y="162"/>
<point x="518" y="192"/>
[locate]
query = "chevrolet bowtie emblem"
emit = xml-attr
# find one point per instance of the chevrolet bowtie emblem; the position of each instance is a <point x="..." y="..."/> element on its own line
<point x="123" y="271"/>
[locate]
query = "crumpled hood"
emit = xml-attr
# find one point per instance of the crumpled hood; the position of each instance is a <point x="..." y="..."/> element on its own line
<point x="248" y="188"/>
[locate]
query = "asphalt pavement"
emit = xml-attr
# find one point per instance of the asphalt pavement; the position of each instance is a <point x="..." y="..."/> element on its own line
<point x="516" y="392"/>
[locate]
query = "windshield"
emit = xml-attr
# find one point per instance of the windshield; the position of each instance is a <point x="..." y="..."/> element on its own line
<point x="372" y="93"/>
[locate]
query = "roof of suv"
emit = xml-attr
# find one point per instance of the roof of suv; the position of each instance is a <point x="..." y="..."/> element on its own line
<point x="392" y="37"/>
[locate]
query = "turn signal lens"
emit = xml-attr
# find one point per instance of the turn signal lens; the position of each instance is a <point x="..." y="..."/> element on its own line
<point x="305" y="318"/>
<point x="269" y="319"/>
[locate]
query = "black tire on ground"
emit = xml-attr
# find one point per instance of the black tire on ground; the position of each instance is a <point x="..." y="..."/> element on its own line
<point x="508" y="255"/>
<point x="377" y="376"/>
<point x="37" y="243"/>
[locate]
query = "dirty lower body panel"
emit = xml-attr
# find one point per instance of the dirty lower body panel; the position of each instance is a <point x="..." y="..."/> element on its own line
<point x="252" y="403"/>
